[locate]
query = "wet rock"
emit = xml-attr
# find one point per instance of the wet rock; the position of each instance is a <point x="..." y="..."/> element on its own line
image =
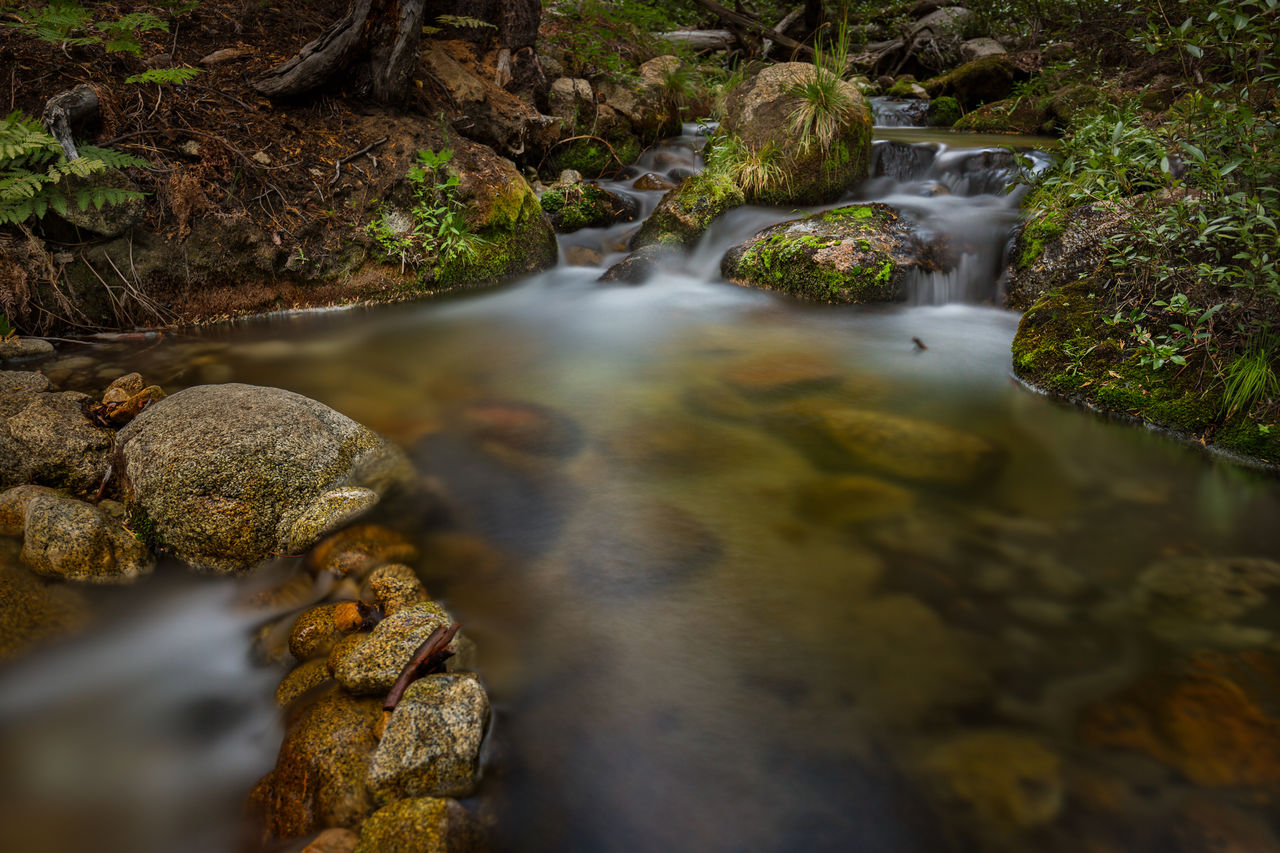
<point x="421" y="825"/>
<point x="860" y="253"/>
<point x="360" y="548"/>
<point x="71" y="540"/>
<point x="1204" y="826"/>
<point x="582" y="256"/>
<point x="1211" y="716"/>
<point x="303" y="677"/>
<point x="396" y="587"/>
<point x="32" y="611"/>
<point x="758" y="112"/>
<point x="637" y="267"/>
<point x="620" y="547"/>
<point x="850" y="499"/>
<point x="17" y="349"/>
<point x="684" y="214"/>
<point x="315" y="632"/>
<point x="911" y="666"/>
<point x="892" y="444"/>
<point x="675" y="445"/>
<point x="978" y="82"/>
<point x="650" y="181"/>
<point x="45" y="437"/>
<point x="1011" y="781"/>
<point x="231" y="474"/>
<point x="373" y="664"/>
<point x="1193" y="601"/>
<point x="320" y="777"/>
<point x="431" y="745"/>
<point x="584" y="205"/>
<point x="523" y="426"/>
<point x="781" y="374"/>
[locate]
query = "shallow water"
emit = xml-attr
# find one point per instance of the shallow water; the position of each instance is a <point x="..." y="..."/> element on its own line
<point x="713" y="632"/>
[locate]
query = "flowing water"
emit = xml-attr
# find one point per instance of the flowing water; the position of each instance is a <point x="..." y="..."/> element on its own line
<point x="710" y="629"/>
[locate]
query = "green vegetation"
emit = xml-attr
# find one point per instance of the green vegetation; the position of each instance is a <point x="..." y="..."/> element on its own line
<point x="824" y="104"/>
<point x="66" y="23"/>
<point x="165" y="76"/>
<point x="1176" y="327"/>
<point x="34" y="173"/>
<point x="437" y="233"/>
<point x="755" y="172"/>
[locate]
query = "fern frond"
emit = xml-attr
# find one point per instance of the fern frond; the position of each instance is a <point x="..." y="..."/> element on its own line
<point x="112" y="158"/>
<point x="23" y="140"/>
<point x="165" y="76"/>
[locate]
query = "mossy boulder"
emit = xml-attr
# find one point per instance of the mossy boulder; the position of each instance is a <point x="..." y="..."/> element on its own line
<point x="944" y="111"/>
<point x="685" y="213"/>
<point x="759" y="112"/>
<point x="647" y="103"/>
<point x="860" y="253"/>
<point x="571" y="206"/>
<point x="504" y="212"/>
<point x="978" y="82"/>
<point x="1011" y="115"/>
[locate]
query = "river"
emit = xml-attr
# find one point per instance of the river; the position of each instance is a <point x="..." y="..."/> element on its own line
<point x="706" y="631"/>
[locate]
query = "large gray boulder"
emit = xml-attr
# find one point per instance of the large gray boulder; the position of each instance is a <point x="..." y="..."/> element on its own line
<point x="759" y="112"/>
<point x="225" y="476"/>
<point x="45" y="437"/>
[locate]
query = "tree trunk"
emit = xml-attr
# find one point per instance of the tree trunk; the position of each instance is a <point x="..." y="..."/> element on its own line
<point x="386" y="33"/>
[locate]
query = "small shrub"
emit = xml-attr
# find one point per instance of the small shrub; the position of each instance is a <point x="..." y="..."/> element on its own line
<point x="438" y="231"/>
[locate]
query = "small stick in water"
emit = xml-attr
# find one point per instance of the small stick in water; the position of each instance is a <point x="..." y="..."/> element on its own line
<point x="920" y="347"/>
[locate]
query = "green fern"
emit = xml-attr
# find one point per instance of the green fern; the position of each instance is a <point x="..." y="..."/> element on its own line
<point x="34" y="173"/>
<point x="165" y="76"/>
<point x="56" y="23"/>
<point x="122" y="33"/>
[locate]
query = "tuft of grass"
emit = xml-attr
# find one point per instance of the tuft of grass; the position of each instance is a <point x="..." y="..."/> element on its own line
<point x="1250" y="377"/>
<point x="753" y="171"/>
<point x="824" y="106"/>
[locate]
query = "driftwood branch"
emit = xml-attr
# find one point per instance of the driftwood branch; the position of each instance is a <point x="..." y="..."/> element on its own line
<point x="427" y="660"/>
<point x="318" y="59"/>
<point x="700" y="39"/>
<point x="753" y="25"/>
<point x="77" y="106"/>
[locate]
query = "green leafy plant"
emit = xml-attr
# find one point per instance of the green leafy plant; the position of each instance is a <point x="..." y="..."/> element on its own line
<point x="823" y="105"/>
<point x="120" y="35"/>
<point x="754" y="171"/>
<point x="61" y="23"/>
<point x="33" y="173"/>
<point x="165" y="76"/>
<point x="436" y="232"/>
<point x="1251" y="376"/>
<point x="67" y="23"/>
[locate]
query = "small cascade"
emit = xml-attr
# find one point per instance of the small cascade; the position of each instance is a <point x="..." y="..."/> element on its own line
<point x="898" y="112"/>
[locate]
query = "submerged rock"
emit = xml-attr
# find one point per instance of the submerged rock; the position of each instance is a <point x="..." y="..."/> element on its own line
<point x="1011" y="781"/>
<point x="229" y="475"/>
<point x="850" y="499"/>
<point x="583" y="205"/>
<point x="1194" y="600"/>
<point x="911" y="449"/>
<point x="320" y="777"/>
<point x="45" y="437"/>
<point x="372" y="663"/>
<point x="781" y="374"/>
<point x="421" y="825"/>
<point x="431" y="745"/>
<point x="71" y="540"/>
<point x="16" y="349"/>
<point x="523" y="426"/>
<point x="760" y="112"/>
<point x="1211" y="716"/>
<point x="860" y="253"/>
<point x="32" y="610"/>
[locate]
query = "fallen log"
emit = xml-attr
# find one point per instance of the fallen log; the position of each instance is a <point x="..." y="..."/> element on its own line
<point x="700" y="39"/>
<point x="753" y="25"/>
